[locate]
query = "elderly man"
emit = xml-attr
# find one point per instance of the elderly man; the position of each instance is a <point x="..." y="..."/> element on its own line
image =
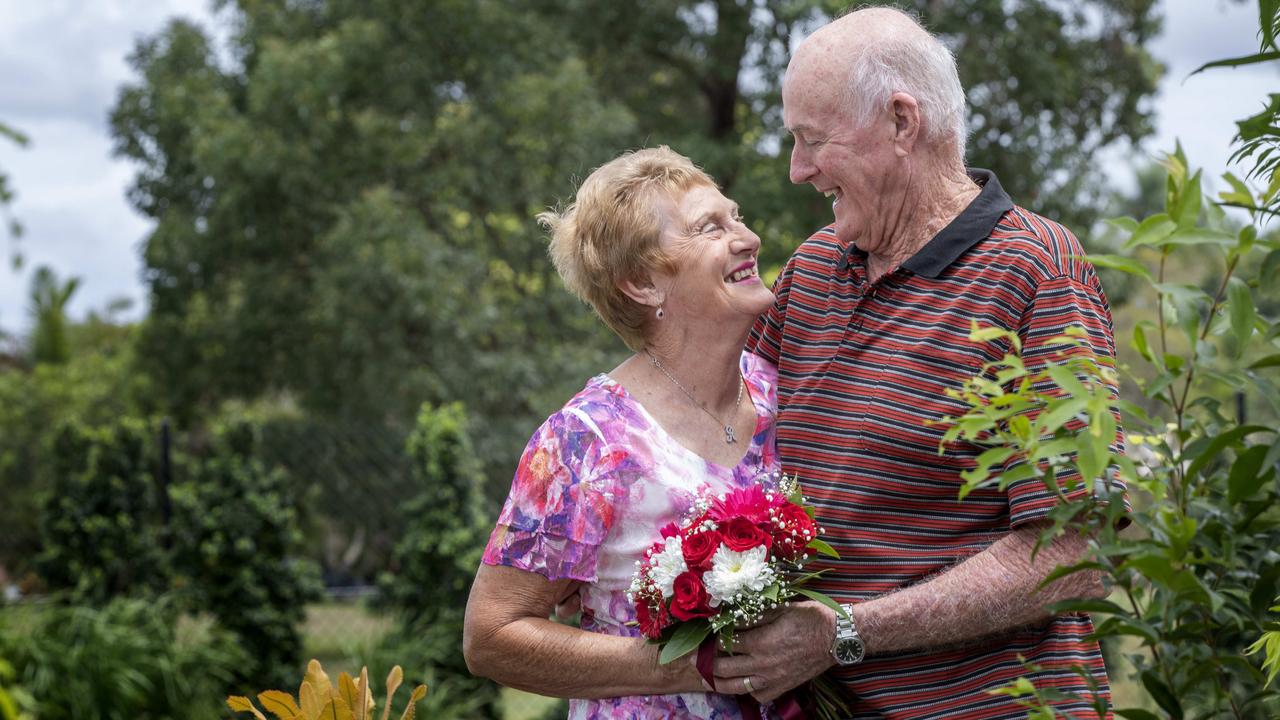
<point x="869" y="331"/>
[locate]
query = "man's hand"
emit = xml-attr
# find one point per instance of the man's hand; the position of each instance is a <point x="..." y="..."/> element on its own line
<point x="569" y="605"/>
<point x="789" y="649"/>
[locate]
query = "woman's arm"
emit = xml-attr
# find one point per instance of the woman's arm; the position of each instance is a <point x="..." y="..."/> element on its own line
<point x="508" y="638"/>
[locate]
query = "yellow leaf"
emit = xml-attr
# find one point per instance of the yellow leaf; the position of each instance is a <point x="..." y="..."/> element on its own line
<point x="310" y="702"/>
<point x="240" y="703"/>
<point x="362" y="691"/>
<point x="347" y="689"/>
<point x="280" y="704"/>
<point x="394" y="678"/>
<point x="318" y="679"/>
<point x="412" y="708"/>
<point x="335" y="709"/>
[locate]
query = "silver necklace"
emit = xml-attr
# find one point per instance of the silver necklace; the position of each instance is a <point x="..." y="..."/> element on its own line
<point x="729" y="438"/>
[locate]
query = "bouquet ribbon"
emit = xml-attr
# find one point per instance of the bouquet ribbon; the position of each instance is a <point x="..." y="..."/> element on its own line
<point x="787" y="706"/>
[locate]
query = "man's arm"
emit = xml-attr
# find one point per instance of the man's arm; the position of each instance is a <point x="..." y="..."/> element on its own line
<point x="992" y="592"/>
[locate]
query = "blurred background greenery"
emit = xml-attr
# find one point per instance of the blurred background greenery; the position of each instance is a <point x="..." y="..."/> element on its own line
<point x="352" y="325"/>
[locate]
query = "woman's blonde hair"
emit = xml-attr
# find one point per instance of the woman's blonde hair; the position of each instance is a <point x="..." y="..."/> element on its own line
<point x="612" y="232"/>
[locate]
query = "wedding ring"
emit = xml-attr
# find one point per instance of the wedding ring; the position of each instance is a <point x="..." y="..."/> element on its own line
<point x="746" y="682"/>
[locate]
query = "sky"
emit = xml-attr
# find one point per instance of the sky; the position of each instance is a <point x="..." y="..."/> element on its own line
<point x="63" y="61"/>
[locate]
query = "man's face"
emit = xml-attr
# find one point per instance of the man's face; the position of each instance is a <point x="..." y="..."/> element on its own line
<point x="853" y="165"/>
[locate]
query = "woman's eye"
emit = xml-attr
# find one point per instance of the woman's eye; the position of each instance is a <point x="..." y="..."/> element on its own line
<point x="709" y="228"/>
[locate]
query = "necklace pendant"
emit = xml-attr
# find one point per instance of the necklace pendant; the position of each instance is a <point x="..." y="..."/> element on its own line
<point x="729" y="439"/>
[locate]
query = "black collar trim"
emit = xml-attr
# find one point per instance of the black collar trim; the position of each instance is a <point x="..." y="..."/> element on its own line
<point x="966" y="230"/>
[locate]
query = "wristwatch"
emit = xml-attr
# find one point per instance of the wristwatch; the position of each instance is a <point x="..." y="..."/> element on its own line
<point x="847" y="648"/>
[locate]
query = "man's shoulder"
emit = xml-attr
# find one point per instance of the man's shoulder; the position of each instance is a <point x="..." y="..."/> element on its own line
<point x="822" y="246"/>
<point x="1037" y="244"/>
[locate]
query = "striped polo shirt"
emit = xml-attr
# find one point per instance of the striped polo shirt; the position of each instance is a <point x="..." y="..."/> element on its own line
<point x="862" y="367"/>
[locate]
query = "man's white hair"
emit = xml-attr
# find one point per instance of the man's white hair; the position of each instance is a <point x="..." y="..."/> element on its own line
<point x="915" y="63"/>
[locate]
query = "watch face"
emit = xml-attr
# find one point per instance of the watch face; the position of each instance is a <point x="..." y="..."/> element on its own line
<point x="849" y="651"/>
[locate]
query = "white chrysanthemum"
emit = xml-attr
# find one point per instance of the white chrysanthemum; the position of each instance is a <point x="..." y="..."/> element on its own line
<point x="667" y="565"/>
<point x="733" y="572"/>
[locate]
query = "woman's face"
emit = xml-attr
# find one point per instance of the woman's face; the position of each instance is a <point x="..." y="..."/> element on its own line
<point x="716" y="274"/>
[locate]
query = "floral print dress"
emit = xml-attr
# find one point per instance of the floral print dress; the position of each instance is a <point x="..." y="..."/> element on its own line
<point x="595" y="484"/>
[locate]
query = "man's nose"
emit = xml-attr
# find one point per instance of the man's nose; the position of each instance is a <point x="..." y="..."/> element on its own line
<point x="801" y="167"/>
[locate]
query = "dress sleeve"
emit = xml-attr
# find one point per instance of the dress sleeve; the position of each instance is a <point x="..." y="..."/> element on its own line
<point x="559" y="509"/>
<point x="1060" y="303"/>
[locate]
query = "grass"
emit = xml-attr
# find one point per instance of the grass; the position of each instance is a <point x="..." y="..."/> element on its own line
<point x="339" y="633"/>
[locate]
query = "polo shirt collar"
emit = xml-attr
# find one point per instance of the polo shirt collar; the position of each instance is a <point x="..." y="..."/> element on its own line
<point x="973" y="224"/>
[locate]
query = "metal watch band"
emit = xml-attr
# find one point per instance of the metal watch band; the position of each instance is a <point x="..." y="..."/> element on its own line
<point x="848" y="648"/>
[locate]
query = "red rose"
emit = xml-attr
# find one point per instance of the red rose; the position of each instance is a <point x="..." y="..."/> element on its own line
<point x="691" y="599"/>
<point x="741" y="534"/>
<point x="669" y="530"/>
<point x="792" y="531"/>
<point x="653" y="618"/>
<point x="699" y="547"/>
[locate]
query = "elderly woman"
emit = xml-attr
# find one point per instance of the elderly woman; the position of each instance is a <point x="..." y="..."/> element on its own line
<point x="666" y="262"/>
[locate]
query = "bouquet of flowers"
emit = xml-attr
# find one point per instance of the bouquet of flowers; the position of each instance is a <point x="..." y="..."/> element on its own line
<point x="733" y="559"/>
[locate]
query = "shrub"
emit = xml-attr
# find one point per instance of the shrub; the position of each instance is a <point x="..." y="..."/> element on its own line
<point x="437" y="559"/>
<point x="236" y="547"/>
<point x="123" y="661"/>
<point x="101" y="524"/>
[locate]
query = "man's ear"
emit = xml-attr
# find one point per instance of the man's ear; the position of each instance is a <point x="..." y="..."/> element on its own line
<point x="906" y="123"/>
<point x="642" y="290"/>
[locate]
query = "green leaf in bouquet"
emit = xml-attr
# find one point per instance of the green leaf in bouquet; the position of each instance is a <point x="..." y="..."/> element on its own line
<point x="825" y="600"/>
<point x="771" y="592"/>
<point x="686" y="639"/>
<point x="822" y="548"/>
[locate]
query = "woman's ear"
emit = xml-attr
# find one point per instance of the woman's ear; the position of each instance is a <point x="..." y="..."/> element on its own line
<point x="642" y="290"/>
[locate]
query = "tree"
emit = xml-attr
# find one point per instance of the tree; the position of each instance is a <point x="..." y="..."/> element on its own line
<point x="1049" y="85"/>
<point x="6" y="193"/>
<point x="267" y="270"/>
<point x="49" y="299"/>
<point x="345" y="210"/>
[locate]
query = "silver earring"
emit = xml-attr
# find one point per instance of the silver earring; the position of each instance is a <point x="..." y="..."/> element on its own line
<point x="660" y="313"/>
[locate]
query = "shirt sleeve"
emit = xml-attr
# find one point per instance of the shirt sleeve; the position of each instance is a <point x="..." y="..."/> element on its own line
<point x="1060" y="303"/>
<point x="559" y="510"/>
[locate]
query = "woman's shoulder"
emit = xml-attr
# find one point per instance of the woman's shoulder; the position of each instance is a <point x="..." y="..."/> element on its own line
<point x="596" y="413"/>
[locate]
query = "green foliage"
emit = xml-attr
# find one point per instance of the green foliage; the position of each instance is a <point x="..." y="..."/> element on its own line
<point x="123" y="661"/>
<point x="1194" y="582"/>
<point x="100" y="523"/>
<point x="13" y="698"/>
<point x="49" y="298"/>
<point x="437" y="558"/>
<point x="97" y="385"/>
<point x="236" y="547"/>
